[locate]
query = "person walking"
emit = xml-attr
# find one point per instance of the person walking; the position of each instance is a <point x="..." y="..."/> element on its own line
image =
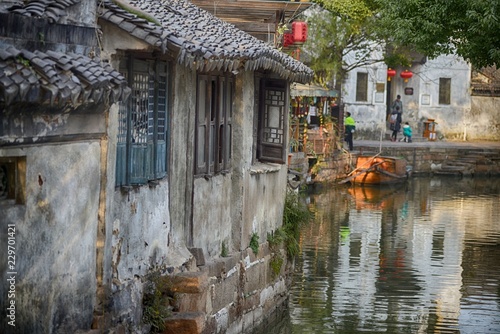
<point x="349" y="128"/>
<point x="396" y="126"/>
<point x="397" y="103"/>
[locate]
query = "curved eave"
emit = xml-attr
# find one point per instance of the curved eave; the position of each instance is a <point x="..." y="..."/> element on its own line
<point x="201" y="41"/>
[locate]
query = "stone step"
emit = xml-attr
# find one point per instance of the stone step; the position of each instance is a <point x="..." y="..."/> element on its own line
<point x="185" y="323"/>
<point x="190" y="290"/>
<point x="459" y="163"/>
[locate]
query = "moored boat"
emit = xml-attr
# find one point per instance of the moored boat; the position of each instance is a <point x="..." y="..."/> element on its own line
<point x="373" y="170"/>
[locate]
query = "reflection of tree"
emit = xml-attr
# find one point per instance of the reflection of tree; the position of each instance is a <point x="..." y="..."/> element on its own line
<point x="314" y="284"/>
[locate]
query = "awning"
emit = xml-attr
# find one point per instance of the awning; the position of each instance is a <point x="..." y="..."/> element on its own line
<point x="312" y="90"/>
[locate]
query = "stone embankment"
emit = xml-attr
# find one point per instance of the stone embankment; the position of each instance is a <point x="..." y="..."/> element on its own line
<point x="443" y="158"/>
<point x="234" y="294"/>
<point x="424" y="157"/>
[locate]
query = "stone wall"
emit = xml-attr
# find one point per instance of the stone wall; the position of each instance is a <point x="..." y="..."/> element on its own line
<point x="232" y="294"/>
<point x="430" y="160"/>
<point x="55" y="238"/>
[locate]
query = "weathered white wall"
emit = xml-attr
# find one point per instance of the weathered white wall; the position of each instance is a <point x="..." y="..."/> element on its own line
<point x="230" y="208"/>
<point x="55" y="238"/>
<point x="212" y="221"/>
<point x="264" y="198"/>
<point x="483" y="122"/>
<point x="370" y="116"/>
<point x="454" y="121"/>
<point x="451" y="118"/>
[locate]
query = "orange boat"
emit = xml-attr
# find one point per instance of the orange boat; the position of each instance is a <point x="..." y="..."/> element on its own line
<point x="378" y="170"/>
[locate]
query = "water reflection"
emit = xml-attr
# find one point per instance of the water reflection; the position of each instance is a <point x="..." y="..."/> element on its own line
<point x="421" y="258"/>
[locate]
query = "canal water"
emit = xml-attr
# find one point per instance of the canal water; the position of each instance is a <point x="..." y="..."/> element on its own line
<point x="423" y="257"/>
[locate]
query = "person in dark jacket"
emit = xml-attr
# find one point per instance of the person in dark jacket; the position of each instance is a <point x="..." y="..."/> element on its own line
<point x="397" y="124"/>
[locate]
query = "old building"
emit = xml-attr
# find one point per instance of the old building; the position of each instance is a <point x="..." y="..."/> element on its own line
<point x="438" y="89"/>
<point x="139" y="137"/>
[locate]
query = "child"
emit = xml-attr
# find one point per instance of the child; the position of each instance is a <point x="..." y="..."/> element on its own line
<point x="407" y="132"/>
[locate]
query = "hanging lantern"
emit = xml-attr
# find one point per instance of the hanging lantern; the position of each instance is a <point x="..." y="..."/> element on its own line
<point x="406" y="75"/>
<point x="390" y="73"/>
<point x="299" y="32"/>
<point x="287" y="39"/>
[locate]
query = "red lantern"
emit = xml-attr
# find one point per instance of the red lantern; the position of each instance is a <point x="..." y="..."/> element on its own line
<point x="390" y="73"/>
<point x="287" y="39"/>
<point x="406" y="75"/>
<point x="299" y="32"/>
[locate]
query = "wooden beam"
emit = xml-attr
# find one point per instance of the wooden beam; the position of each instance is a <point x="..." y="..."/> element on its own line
<point x="252" y="27"/>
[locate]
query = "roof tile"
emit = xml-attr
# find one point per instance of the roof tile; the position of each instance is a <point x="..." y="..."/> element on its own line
<point x="200" y="35"/>
<point x="60" y="75"/>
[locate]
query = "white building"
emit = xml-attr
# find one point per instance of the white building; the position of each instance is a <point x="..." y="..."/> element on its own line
<point x="440" y="89"/>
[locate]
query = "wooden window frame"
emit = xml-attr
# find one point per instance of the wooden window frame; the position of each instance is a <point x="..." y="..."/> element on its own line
<point x="13" y="180"/>
<point x="444" y="91"/>
<point x="272" y="120"/>
<point x="214" y="112"/>
<point x="361" y="92"/>
<point x="143" y="122"/>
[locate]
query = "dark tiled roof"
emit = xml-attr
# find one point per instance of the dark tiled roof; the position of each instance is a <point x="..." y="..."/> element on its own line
<point x="57" y="77"/>
<point x="201" y="40"/>
<point x="53" y="10"/>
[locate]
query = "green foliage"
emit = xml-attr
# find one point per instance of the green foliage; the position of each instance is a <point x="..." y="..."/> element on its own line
<point x="276" y="263"/>
<point x="339" y="28"/>
<point x="356" y="10"/>
<point x="394" y="59"/>
<point x="156" y="302"/>
<point x="25" y="62"/>
<point x="317" y="167"/>
<point x="295" y="215"/>
<point x="224" y="251"/>
<point x="254" y="243"/>
<point x="433" y="27"/>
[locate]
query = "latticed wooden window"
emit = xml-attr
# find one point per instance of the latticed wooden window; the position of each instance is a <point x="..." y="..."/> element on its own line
<point x="142" y="130"/>
<point x="214" y="110"/>
<point x="272" y="122"/>
<point x="444" y="90"/>
<point x="362" y="87"/>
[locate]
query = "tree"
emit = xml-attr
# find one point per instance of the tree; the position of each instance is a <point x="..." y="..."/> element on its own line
<point x="469" y="28"/>
<point x="338" y="28"/>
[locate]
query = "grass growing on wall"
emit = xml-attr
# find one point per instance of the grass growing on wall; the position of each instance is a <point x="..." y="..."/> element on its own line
<point x="295" y="215"/>
<point x="156" y="301"/>
<point x="224" y="250"/>
<point x="254" y="243"/>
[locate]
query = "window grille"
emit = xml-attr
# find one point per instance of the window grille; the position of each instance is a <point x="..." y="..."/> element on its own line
<point x="272" y="122"/>
<point x="142" y="128"/>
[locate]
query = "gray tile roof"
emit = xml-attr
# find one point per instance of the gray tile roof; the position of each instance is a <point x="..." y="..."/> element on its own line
<point x="57" y="77"/>
<point x="199" y="39"/>
<point x="53" y="10"/>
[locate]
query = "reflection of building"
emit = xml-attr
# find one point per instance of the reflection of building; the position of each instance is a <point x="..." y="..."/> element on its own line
<point x="379" y="262"/>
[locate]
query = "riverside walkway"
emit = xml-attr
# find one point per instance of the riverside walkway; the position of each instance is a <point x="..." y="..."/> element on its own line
<point x="439" y="157"/>
<point x="494" y="145"/>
